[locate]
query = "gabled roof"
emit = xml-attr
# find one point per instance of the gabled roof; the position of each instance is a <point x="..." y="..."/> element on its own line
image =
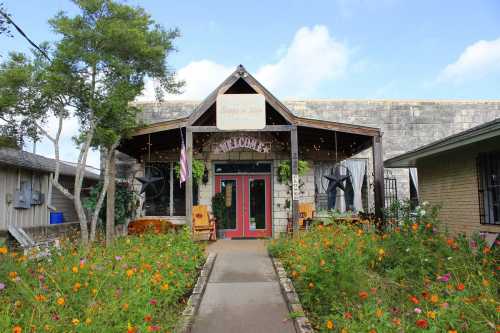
<point x="26" y="160"/>
<point x="241" y="73"/>
<point x="282" y="109"/>
<point x="476" y="134"/>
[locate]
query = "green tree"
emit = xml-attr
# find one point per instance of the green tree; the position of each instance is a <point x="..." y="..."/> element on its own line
<point x="97" y="67"/>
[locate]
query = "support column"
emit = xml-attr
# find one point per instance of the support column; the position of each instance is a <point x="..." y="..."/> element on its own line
<point x="295" y="178"/>
<point x="378" y="176"/>
<point x="110" y="200"/>
<point x="189" y="178"/>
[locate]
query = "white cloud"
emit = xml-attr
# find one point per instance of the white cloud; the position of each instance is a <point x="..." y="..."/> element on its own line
<point x="312" y="58"/>
<point x="477" y="61"/>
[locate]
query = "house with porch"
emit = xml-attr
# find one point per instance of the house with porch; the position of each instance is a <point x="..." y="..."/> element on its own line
<point x="238" y="141"/>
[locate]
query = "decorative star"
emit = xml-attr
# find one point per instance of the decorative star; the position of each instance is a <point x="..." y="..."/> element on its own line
<point x="147" y="181"/>
<point x="335" y="180"/>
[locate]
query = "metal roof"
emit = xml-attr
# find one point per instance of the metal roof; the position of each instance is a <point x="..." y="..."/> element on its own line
<point x="483" y="132"/>
<point x="24" y="159"/>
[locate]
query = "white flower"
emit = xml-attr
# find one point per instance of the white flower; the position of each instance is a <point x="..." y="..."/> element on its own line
<point x="407" y="249"/>
<point x="422" y="212"/>
<point x="425" y="203"/>
<point x="449" y="258"/>
<point x="426" y="260"/>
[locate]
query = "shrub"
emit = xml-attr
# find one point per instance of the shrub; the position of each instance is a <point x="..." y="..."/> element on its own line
<point x="412" y="278"/>
<point x="139" y="284"/>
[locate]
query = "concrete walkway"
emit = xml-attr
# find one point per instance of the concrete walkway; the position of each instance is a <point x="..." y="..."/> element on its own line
<point x="243" y="293"/>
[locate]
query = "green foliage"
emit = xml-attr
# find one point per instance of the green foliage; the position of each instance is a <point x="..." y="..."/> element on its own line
<point x="355" y="278"/>
<point x="137" y="283"/>
<point x="8" y="142"/>
<point x="198" y="170"/>
<point x="285" y="170"/>
<point x="219" y="209"/>
<point x="126" y="202"/>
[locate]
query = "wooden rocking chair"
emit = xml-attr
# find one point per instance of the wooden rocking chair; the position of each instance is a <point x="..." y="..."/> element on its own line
<point x="306" y="215"/>
<point x="203" y="224"/>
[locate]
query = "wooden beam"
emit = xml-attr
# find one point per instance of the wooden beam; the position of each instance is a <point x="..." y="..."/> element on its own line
<point x="160" y="127"/>
<point x="214" y="129"/>
<point x="378" y="176"/>
<point x="294" y="143"/>
<point x="189" y="180"/>
<point x="339" y="127"/>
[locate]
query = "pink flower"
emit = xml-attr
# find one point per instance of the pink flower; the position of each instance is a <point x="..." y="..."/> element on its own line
<point x="418" y="310"/>
<point x="153" y="302"/>
<point x="2" y="286"/>
<point x="444" y="278"/>
<point x="118" y="258"/>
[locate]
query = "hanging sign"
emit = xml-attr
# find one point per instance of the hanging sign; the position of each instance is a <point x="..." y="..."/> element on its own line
<point x="295" y="187"/>
<point x="241" y="111"/>
<point x="229" y="194"/>
<point x="242" y="141"/>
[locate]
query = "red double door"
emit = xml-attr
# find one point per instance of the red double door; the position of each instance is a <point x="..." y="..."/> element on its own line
<point x="247" y="205"/>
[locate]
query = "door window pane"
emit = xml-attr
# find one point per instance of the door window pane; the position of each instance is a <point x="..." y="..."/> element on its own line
<point x="157" y="201"/>
<point x="228" y="188"/>
<point x="257" y="203"/>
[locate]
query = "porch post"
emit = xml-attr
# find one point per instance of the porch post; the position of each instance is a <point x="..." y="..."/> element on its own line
<point x="295" y="178"/>
<point x="378" y="175"/>
<point x="189" y="179"/>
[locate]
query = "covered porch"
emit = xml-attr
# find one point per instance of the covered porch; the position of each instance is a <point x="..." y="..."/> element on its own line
<point x="234" y="153"/>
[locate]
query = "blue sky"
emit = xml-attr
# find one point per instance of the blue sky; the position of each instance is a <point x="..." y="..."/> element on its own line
<point x="383" y="49"/>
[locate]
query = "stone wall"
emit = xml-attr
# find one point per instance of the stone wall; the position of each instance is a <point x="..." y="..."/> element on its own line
<point x="450" y="180"/>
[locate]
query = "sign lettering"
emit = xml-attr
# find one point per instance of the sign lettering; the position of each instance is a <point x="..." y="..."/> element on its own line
<point x="247" y="142"/>
<point x="241" y="111"/>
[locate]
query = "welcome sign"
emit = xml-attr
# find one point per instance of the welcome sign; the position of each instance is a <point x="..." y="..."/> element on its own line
<point x="242" y="141"/>
<point x="241" y="111"/>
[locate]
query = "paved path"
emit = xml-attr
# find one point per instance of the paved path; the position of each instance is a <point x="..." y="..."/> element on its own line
<point x="243" y="294"/>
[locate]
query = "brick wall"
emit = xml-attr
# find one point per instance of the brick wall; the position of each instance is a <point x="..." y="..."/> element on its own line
<point x="450" y="180"/>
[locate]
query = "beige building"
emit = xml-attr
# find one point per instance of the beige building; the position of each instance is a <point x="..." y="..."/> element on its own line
<point x="461" y="173"/>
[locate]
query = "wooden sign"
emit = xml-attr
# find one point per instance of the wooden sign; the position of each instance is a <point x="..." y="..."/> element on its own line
<point x="229" y="194"/>
<point x="295" y="187"/>
<point x="241" y="111"/>
<point x="242" y="141"/>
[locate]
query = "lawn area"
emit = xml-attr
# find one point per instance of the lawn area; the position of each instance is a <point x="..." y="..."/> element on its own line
<point x="412" y="279"/>
<point x="139" y="284"/>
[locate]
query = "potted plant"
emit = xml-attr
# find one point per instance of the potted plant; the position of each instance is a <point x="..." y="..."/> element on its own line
<point x="219" y="211"/>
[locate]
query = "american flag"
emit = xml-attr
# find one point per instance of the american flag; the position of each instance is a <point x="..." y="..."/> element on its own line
<point x="183" y="162"/>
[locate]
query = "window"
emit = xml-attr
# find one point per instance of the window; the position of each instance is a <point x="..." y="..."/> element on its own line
<point x="488" y="172"/>
<point x="166" y="197"/>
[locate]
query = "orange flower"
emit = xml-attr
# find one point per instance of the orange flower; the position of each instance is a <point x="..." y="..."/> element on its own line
<point x="165" y="286"/>
<point x="3" y="250"/>
<point x="414" y="226"/>
<point x="486" y="283"/>
<point x="379" y="313"/>
<point x="40" y="298"/>
<point x="486" y="250"/>
<point x="75" y="322"/>
<point x="76" y="286"/>
<point x="61" y="301"/>
<point x="12" y="275"/>
<point x="422" y="323"/>
<point x="396" y="321"/>
<point x="148" y="318"/>
<point x="431" y="314"/>
<point x="125" y="306"/>
<point x="322" y="262"/>
<point x="74" y="269"/>
<point x="330" y="325"/>
<point x="17" y="329"/>
<point x="311" y="285"/>
<point x="130" y="272"/>
<point x="348" y="315"/>
<point x="373" y="331"/>
<point x="363" y="295"/>
<point x="460" y="287"/>
<point x="452" y="331"/>
<point x="414" y="299"/>
<point x="434" y="298"/>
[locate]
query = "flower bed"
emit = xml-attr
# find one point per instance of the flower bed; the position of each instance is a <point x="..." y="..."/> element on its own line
<point x="412" y="279"/>
<point x="139" y="284"/>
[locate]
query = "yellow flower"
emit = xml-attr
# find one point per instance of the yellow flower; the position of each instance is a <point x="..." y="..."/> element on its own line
<point x="74" y="269"/>
<point x="379" y="313"/>
<point x="75" y="322"/>
<point x="343" y="330"/>
<point x="61" y="301"/>
<point x="88" y="321"/>
<point x="329" y="325"/>
<point x="94" y="291"/>
<point x="3" y="250"/>
<point x="434" y="298"/>
<point x="165" y="286"/>
<point x="431" y="314"/>
<point x="381" y="252"/>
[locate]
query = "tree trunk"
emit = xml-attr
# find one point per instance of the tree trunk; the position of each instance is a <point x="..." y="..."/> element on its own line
<point x="102" y="195"/>
<point x="110" y="200"/>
